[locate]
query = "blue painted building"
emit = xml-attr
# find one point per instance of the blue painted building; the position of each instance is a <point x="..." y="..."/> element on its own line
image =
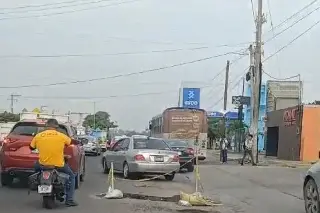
<point x="262" y="113"/>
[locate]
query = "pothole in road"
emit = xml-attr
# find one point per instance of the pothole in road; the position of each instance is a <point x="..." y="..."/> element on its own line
<point x="174" y="198"/>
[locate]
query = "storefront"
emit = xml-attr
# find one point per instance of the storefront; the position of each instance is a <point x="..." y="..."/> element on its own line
<point x="294" y="133"/>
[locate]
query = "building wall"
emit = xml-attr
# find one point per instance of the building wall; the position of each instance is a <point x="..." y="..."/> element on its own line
<point x="310" y="134"/>
<point x="289" y="140"/>
<point x="262" y="113"/>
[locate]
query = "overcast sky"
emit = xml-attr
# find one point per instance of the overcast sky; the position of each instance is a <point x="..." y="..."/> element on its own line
<point x="110" y="29"/>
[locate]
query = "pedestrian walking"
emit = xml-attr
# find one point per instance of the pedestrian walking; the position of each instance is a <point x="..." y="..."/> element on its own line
<point x="224" y="150"/>
<point x="248" y="149"/>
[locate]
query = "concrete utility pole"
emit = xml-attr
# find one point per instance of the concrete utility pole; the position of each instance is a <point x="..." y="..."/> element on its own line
<point x="81" y="116"/>
<point x="226" y="85"/>
<point x="13" y="99"/>
<point x="257" y="75"/>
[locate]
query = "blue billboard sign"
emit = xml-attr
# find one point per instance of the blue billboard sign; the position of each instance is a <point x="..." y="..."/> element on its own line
<point x="191" y="98"/>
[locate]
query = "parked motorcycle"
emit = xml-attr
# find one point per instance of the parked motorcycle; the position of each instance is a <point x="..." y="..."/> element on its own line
<point x="50" y="184"/>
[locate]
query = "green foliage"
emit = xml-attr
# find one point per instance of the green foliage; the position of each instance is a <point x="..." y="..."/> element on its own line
<point x="101" y="120"/>
<point x="9" y="117"/>
<point x="216" y="130"/>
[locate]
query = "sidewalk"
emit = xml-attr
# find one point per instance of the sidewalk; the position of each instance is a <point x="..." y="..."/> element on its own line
<point x="263" y="160"/>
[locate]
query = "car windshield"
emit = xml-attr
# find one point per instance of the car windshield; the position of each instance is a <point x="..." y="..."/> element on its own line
<point x="177" y="143"/>
<point x="33" y="128"/>
<point x="151" y="143"/>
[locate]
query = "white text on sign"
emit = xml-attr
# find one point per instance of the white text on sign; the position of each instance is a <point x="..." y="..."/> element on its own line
<point x="191" y="103"/>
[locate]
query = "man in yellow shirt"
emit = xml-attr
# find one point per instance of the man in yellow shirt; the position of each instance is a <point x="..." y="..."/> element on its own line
<point x="50" y="144"/>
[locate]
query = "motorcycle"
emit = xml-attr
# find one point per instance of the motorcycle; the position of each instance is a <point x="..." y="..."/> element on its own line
<point x="50" y="184"/>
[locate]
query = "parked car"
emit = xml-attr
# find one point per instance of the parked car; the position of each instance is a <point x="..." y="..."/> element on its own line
<point x="186" y="153"/>
<point x="17" y="160"/>
<point x="90" y="145"/>
<point x="311" y="189"/>
<point x="141" y="155"/>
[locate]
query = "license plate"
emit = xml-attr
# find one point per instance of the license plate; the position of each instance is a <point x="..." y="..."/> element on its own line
<point x="43" y="189"/>
<point x="158" y="159"/>
<point x="179" y="153"/>
<point x="35" y="151"/>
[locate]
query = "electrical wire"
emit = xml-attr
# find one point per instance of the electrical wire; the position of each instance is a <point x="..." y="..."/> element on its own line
<point x="281" y="79"/>
<point x="111" y="54"/>
<point x="253" y="13"/>
<point x="70" y="11"/>
<point x="293" y="15"/>
<point x="39" y="5"/>
<point x="275" y="53"/>
<point x="296" y="22"/>
<point x="57" y="7"/>
<point x="292" y="41"/>
<point x="119" y="75"/>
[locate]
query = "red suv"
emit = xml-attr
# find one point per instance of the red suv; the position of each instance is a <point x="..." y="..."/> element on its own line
<point x="17" y="160"/>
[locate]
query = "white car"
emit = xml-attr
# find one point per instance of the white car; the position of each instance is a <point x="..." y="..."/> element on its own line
<point x="91" y="145"/>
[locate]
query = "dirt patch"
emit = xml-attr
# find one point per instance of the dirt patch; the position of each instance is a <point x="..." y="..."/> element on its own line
<point x="192" y="210"/>
<point x="174" y="198"/>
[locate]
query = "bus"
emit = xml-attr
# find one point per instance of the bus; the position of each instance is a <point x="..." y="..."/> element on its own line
<point x="185" y="124"/>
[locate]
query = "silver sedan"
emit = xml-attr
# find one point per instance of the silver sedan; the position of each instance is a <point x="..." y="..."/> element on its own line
<point x="311" y="189"/>
<point x="141" y="155"/>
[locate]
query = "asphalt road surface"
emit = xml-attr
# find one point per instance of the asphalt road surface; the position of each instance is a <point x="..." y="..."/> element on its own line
<point x="16" y="198"/>
<point x="241" y="189"/>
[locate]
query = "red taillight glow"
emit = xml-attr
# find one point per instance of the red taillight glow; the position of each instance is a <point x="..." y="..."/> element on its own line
<point x="175" y="158"/>
<point x="45" y="175"/>
<point x="139" y="158"/>
<point x="190" y="151"/>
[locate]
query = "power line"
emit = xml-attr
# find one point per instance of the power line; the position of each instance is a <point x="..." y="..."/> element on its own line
<point x="253" y="14"/>
<point x="39" y="5"/>
<point x="117" y="76"/>
<point x="70" y="11"/>
<point x="56" y="7"/>
<point x="293" y="40"/>
<point x="296" y="22"/>
<point x="111" y="54"/>
<point x="293" y="15"/>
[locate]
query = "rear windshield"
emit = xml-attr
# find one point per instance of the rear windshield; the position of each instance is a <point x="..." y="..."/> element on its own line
<point x="144" y="143"/>
<point x="177" y="143"/>
<point x="32" y="128"/>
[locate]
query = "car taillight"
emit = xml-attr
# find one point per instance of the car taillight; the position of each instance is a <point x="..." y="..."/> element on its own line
<point x="139" y="158"/>
<point x="175" y="158"/>
<point x="190" y="151"/>
<point x="46" y="175"/>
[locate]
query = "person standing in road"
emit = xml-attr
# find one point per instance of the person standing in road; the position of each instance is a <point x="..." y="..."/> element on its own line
<point x="224" y="150"/>
<point x="248" y="149"/>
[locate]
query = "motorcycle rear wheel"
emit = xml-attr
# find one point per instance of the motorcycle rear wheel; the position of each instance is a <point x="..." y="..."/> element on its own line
<point x="48" y="202"/>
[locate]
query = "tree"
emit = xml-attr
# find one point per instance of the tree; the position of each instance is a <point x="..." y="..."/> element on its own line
<point x="101" y="120"/>
<point x="9" y="117"/>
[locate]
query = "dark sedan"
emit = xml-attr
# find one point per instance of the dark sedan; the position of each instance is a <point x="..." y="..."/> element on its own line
<point x="186" y="153"/>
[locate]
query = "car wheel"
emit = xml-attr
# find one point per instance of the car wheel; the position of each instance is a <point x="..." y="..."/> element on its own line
<point x="190" y="167"/>
<point x="126" y="172"/>
<point x="169" y="177"/>
<point x="105" y="166"/>
<point x="6" y="179"/>
<point x="311" y="197"/>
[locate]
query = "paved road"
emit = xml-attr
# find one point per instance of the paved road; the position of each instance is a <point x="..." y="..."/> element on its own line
<point x="241" y="189"/>
<point x="17" y="199"/>
<point x="255" y="189"/>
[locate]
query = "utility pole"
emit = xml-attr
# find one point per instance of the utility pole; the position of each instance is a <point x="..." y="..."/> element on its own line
<point x="226" y="84"/>
<point x="81" y="116"/>
<point x="13" y="99"/>
<point x="257" y="75"/>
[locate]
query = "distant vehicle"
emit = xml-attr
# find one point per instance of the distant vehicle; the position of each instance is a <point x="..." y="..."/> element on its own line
<point x="186" y="153"/>
<point x="141" y="155"/>
<point x="311" y="189"/>
<point x="185" y="124"/>
<point x="90" y="145"/>
<point x="17" y="160"/>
